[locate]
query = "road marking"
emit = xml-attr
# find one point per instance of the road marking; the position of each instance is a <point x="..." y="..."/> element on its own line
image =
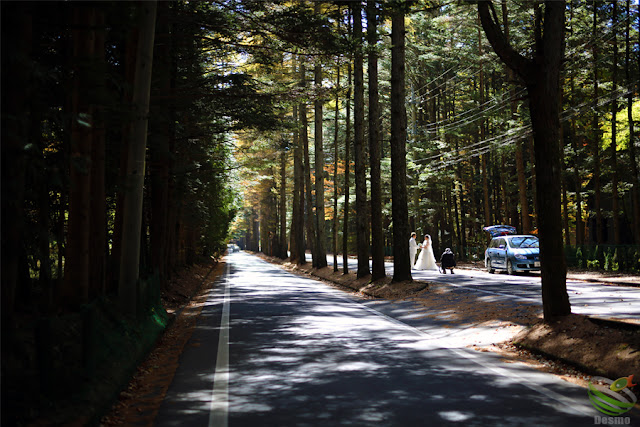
<point x="219" y="409"/>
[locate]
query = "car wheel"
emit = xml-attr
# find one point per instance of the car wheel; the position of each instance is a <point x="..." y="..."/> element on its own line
<point x="509" y="267"/>
<point x="489" y="268"/>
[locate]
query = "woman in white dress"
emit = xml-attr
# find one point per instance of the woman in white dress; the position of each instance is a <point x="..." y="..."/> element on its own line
<point x="426" y="259"/>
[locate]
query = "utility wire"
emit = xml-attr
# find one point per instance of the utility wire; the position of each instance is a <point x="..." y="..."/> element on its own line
<point x="510" y="137"/>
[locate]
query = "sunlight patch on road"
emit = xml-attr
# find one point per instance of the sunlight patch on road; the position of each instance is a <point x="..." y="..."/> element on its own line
<point x="455" y="416"/>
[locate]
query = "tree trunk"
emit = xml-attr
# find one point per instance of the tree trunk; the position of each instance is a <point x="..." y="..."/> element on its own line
<point x="347" y="167"/>
<point x="534" y="183"/>
<point x="304" y="135"/>
<point x="98" y="250"/>
<point x="596" y="133"/>
<point x="483" y="135"/>
<point x="400" y="213"/>
<point x="522" y="190"/>
<point x="362" y="236"/>
<point x="577" y="162"/>
<point x="377" y="235"/>
<point x="614" y="136"/>
<point x="160" y="156"/>
<point x="320" y="260"/>
<point x="127" y="99"/>
<point x="16" y="76"/>
<point x="335" y="175"/>
<point x="542" y="77"/>
<point x="282" y="250"/>
<point x="297" y="223"/>
<point x="75" y="289"/>
<point x="133" y="197"/>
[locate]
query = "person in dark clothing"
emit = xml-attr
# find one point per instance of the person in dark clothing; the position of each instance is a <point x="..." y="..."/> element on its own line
<point x="447" y="260"/>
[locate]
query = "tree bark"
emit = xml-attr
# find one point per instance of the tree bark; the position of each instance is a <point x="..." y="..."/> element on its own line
<point x="400" y="213"/>
<point x="335" y="175"/>
<point x="577" y="162"/>
<point x="542" y="78"/>
<point x="98" y="249"/>
<point x="75" y="289"/>
<point x="362" y="236"/>
<point x="16" y="73"/>
<point x="282" y="250"/>
<point x="297" y="223"/>
<point x="483" y="135"/>
<point x="133" y="198"/>
<point x="160" y="156"/>
<point x="377" y="235"/>
<point x="614" y="135"/>
<point x="596" y="133"/>
<point x="304" y="136"/>
<point x="320" y="260"/>
<point x="130" y="48"/>
<point x="347" y="168"/>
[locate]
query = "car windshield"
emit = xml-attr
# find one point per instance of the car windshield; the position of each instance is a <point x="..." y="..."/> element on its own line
<point x="524" y="242"/>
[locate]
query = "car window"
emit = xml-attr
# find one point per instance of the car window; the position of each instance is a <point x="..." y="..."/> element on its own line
<point x="524" y="242"/>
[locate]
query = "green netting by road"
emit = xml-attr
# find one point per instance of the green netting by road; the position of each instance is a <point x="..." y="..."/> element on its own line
<point x="71" y="367"/>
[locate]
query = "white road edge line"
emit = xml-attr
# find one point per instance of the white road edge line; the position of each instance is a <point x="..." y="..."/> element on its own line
<point x="219" y="408"/>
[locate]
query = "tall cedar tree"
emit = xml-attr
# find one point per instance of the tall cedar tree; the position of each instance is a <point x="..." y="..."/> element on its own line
<point x="17" y="22"/>
<point x="304" y="136"/>
<point x="399" y="208"/>
<point x="76" y="281"/>
<point x="134" y="190"/>
<point x="362" y="208"/>
<point x="320" y="260"/>
<point x="377" y="236"/>
<point x="297" y="217"/>
<point x="334" y="233"/>
<point x="541" y="75"/>
<point x="347" y="163"/>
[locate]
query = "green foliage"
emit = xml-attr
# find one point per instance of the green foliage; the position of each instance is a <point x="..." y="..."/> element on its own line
<point x="622" y="131"/>
<point x="615" y="258"/>
<point x="579" y="257"/>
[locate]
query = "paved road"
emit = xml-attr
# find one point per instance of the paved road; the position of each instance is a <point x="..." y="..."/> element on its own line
<point x="276" y="349"/>
<point x="593" y="299"/>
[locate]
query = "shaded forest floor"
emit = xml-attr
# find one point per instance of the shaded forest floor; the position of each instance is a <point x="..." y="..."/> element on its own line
<point x="574" y="348"/>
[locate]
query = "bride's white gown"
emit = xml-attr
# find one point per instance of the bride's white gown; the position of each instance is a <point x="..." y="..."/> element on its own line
<point x="426" y="259"/>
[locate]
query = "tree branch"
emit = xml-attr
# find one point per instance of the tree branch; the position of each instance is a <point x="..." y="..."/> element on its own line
<point x="518" y="63"/>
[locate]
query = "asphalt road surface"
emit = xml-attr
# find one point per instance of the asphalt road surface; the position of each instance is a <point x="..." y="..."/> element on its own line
<point x="275" y="349"/>
<point x="593" y="299"/>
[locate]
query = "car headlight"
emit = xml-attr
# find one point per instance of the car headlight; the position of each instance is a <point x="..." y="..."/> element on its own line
<point x="520" y="256"/>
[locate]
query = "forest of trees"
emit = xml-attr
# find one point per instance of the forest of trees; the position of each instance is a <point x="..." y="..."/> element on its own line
<point x="116" y="163"/>
<point x="470" y="154"/>
<point x="138" y="137"/>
